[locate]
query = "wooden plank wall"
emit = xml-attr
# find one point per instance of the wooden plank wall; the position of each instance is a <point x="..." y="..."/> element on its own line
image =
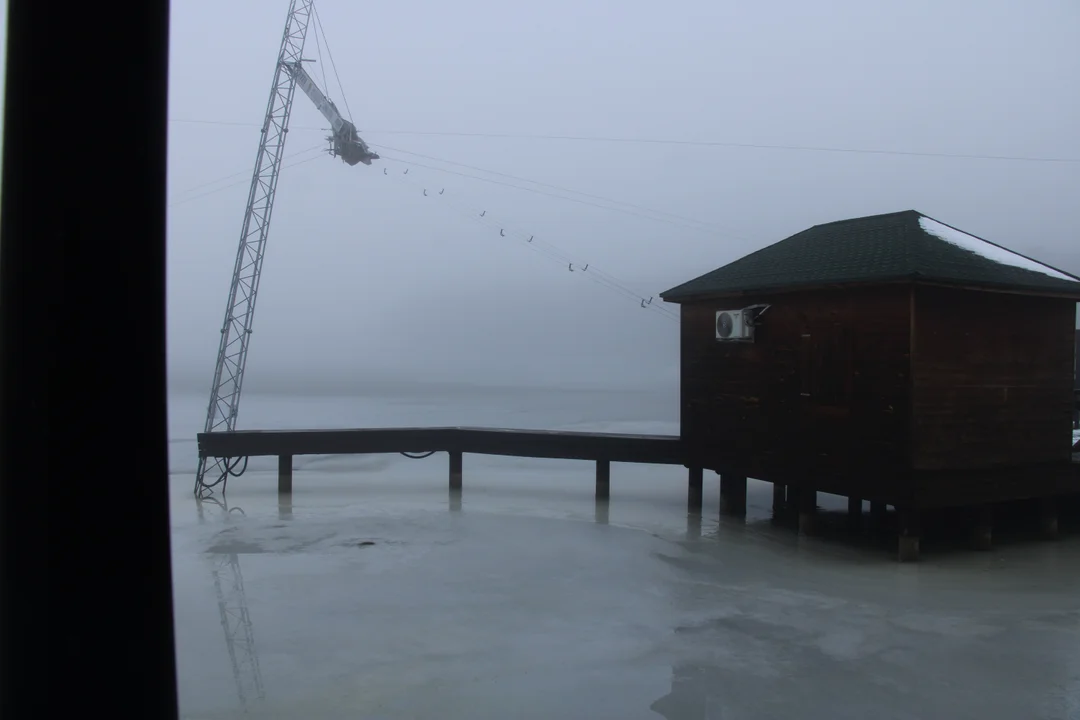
<point x="821" y="395"/>
<point x="992" y="378"/>
<point x="1076" y="381"/>
<point x="1076" y="361"/>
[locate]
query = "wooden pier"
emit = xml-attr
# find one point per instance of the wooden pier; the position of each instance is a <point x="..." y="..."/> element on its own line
<point x="793" y="501"/>
<point x="602" y="448"/>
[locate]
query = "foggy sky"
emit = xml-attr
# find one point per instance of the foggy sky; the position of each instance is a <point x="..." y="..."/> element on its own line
<point x="366" y="278"/>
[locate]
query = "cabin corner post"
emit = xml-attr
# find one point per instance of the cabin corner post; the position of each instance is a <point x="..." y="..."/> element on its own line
<point x="878" y="512"/>
<point x="1048" y="518"/>
<point x="982" y="531"/>
<point x="779" y="497"/>
<point x="854" y="508"/>
<point x="603" y="479"/>
<point x="807" y="510"/>
<point x="908" y="535"/>
<point x="792" y="500"/>
<point x="695" y="488"/>
<point x="733" y="494"/>
<point x="285" y="473"/>
<point x="455" y="470"/>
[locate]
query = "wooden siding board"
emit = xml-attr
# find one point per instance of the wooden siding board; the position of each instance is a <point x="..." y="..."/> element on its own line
<point x="992" y="379"/>
<point x="829" y="409"/>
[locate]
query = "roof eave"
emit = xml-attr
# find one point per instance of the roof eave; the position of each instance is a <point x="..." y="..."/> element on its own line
<point x="1011" y="289"/>
<point x="914" y="278"/>
<point x="785" y="289"/>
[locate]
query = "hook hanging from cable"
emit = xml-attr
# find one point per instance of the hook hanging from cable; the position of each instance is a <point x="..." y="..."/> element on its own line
<point x="442" y="191"/>
<point x="571" y="267"/>
<point x="406" y="171"/>
<point x="483" y="213"/>
<point x="585" y="268"/>
<point x="530" y="238"/>
<point x="502" y="233"/>
<point x="425" y="192"/>
<point x="384" y="172"/>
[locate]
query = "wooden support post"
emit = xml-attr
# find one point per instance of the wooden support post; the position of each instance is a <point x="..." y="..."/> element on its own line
<point x="792" y="497"/>
<point x="878" y="511"/>
<point x="807" y="510"/>
<point x="284" y="508"/>
<point x="602" y="511"/>
<point x="455" y="471"/>
<point x="603" y="479"/>
<point x="908" y="539"/>
<point x="734" y="502"/>
<point x="983" y="530"/>
<point x="739" y="498"/>
<point x="791" y="505"/>
<point x="1048" y="518"/>
<point x="854" y="509"/>
<point x="695" y="489"/>
<point x="779" y="497"/>
<point x="284" y="474"/>
<point x="693" y="526"/>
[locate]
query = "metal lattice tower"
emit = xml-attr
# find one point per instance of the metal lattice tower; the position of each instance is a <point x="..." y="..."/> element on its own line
<point x="240" y="311"/>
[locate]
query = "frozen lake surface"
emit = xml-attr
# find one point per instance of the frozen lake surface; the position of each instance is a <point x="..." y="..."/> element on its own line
<point x="377" y="594"/>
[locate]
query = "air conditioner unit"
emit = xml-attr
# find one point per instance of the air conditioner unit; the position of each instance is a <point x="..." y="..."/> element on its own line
<point x="734" y="325"/>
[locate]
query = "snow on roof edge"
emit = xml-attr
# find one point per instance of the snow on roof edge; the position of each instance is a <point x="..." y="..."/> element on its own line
<point x="988" y="250"/>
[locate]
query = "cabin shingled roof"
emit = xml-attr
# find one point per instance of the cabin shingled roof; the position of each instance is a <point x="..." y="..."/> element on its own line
<point x="879" y="248"/>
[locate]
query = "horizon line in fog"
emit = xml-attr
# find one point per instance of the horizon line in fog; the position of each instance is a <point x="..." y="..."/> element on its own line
<point x="382" y="384"/>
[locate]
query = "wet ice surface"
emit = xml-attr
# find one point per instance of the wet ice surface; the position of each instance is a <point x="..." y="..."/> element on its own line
<point x="520" y="598"/>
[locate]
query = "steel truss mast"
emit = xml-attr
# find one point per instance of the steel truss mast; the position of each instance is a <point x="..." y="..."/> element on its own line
<point x="240" y="310"/>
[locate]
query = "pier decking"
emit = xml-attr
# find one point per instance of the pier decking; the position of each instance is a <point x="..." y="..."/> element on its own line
<point x="603" y="448"/>
<point x="658" y="449"/>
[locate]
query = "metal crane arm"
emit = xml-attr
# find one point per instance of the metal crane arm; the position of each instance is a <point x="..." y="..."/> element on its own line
<point x="345" y="141"/>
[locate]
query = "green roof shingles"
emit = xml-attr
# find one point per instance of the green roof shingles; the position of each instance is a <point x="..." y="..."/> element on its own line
<point x="878" y="248"/>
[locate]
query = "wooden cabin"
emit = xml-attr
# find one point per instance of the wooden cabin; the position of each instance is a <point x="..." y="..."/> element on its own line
<point x="890" y="358"/>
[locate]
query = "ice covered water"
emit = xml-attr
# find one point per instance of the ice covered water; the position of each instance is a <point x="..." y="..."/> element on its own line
<point x="377" y="594"/>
